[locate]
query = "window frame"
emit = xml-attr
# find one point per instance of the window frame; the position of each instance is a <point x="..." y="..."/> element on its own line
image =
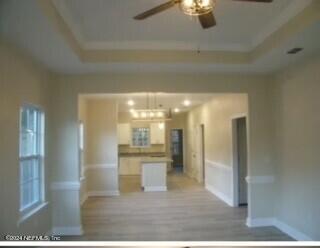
<point x="81" y="147"/>
<point x="39" y="156"/>
<point x="141" y="146"/>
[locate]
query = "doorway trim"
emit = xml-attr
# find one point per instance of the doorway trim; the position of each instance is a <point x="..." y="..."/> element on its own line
<point x="235" y="164"/>
<point x="201" y="157"/>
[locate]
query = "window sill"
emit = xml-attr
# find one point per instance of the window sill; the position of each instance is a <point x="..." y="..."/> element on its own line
<point x="32" y="212"/>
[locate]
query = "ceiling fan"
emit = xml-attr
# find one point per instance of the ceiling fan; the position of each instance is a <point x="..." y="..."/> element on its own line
<point x="203" y="9"/>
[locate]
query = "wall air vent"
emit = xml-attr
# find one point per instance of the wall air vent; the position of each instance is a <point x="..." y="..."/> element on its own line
<point x="295" y="50"/>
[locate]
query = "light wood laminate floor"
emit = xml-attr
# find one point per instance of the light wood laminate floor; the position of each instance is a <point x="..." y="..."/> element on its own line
<point x="186" y="212"/>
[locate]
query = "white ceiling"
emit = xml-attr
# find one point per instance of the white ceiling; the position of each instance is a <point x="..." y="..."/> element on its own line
<point x="109" y="24"/>
<point x="240" y="25"/>
<point x="156" y="100"/>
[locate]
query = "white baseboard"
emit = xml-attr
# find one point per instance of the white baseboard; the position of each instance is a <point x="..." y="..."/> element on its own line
<point x="289" y="230"/>
<point x="294" y="233"/>
<point x="155" y="188"/>
<point x="67" y="231"/>
<point x="104" y="193"/>
<point x="220" y="195"/>
<point x="260" y="222"/>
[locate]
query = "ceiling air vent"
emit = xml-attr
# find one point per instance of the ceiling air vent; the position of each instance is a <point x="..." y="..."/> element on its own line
<point x="295" y="50"/>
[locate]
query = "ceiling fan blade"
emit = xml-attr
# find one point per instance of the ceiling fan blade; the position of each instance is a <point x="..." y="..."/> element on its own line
<point x="257" y="1"/>
<point x="156" y="10"/>
<point x="207" y="20"/>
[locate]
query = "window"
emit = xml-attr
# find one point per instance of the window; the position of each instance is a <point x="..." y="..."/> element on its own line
<point x="81" y="136"/>
<point x="81" y="148"/>
<point x="141" y="137"/>
<point x="31" y="157"/>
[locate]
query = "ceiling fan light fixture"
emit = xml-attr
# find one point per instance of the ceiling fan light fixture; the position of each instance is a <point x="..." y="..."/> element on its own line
<point x="197" y="7"/>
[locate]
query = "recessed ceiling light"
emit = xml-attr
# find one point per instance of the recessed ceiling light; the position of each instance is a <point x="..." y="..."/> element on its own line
<point x="131" y="110"/>
<point x="176" y="110"/>
<point x="151" y="114"/>
<point x="135" y="115"/>
<point x="131" y="102"/>
<point x="186" y="103"/>
<point x="143" y="114"/>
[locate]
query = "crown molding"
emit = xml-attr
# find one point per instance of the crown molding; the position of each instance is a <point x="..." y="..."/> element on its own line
<point x="276" y="36"/>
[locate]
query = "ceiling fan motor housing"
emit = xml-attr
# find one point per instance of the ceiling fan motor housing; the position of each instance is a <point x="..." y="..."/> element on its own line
<point x="197" y="7"/>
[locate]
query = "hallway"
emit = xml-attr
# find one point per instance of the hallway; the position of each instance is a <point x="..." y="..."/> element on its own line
<point x="186" y="212"/>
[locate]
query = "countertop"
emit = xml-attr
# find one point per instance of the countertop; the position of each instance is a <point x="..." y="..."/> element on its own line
<point x="155" y="160"/>
<point x="142" y="154"/>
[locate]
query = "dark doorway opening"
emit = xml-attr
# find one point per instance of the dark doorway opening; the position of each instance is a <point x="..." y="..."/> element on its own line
<point x="241" y="137"/>
<point x="177" y="149"/>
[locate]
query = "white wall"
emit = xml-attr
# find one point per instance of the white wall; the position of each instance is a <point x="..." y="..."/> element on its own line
<point x="102" y="147"/>
<point x="21" y="81"/>
<point x="216" y="116"/>
<point x="297" y="143"/>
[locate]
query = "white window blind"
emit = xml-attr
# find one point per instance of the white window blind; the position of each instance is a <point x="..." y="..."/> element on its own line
<point x="31" y="157"/>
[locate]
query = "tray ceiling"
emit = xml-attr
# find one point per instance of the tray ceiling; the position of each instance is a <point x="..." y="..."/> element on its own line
<point x="100" y="36"/>
<point x="108" y="24"/>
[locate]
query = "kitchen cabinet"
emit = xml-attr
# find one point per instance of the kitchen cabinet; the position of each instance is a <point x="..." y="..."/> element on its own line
<point x="124" y="134"/>
<point x="157" y="134"/>
<point x="130" y="166"/>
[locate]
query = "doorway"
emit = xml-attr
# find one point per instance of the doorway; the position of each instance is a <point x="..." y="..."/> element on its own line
<point x="240" y="158"/>
<point x="177" y="149"/>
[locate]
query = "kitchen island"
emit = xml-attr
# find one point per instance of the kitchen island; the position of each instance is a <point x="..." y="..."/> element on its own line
<point x="154" y="173"/>
<point x="130" y="163"/>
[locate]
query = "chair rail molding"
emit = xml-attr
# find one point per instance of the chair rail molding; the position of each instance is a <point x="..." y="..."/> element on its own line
<point x="260" y="179"/>
<point x="67" y="185"/>
<point x="101" y="166"/>
<point x="213" y="170"/>
<point x="218" y="165"/>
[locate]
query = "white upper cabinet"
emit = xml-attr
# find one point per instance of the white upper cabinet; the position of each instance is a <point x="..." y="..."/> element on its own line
<point x="124" y="134"/>
<point x="157" y="134"/>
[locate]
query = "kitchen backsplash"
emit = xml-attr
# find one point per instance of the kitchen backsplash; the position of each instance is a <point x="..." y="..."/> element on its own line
<point x="151" y="149"/>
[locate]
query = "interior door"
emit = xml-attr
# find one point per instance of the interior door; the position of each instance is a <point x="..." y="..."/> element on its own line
<point x="242" y="160"/>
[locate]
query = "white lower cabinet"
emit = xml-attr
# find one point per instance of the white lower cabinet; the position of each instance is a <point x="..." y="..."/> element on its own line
<point x="154" y="176"/>
<point x="130" y="166"/>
